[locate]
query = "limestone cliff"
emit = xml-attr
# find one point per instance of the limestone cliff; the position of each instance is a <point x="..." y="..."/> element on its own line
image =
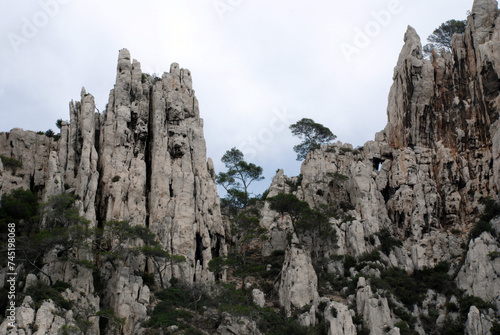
<point x="416" y="245"/>
<point x="143" y="160"/>
<point x="422" y="180"/>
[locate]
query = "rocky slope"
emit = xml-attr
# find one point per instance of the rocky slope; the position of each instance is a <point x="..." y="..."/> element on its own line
<point x="422" y="179"/>
<point x="408" y="257"/>
<point x="143" y="160"/>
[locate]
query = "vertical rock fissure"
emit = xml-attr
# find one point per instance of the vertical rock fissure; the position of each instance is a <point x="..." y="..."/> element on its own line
<point x="147" y="155"/>
<point x="100" y="202"/>
<point x="215" y="251"/>
<point x="198" y="254"/>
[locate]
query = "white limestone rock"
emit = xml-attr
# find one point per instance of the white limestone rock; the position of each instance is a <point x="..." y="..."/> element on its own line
<point x="480" y="274"/>
<point x="47" y="319"/>
<point x="340" y="317"/>
<point x="477" y="323"/>
<point x="233" y="325"/>
<point x="298" y="287"/>
<point x="258" y="297"/>
<point x="25" y="314"/>
<point x="375" y="311"/>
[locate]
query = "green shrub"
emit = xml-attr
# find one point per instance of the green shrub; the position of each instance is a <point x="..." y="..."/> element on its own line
<point x="11" y="163"/>
<point x="273" y="323"/>
<point x="493" y="255"/>
<point x="480" y="227"/>
<point x="387" y="242"/>
<point x="404" y="315"/>
<point x="429" y="320"/>
<point x="362" y="264"/>
<point x="19" y="205"/>
<point x="410" y="289"/>
<point x="337" y="176"/>
<point x="404" y="328"/>
<point x="349" y="262"/>
<point x="467" y="301"/>
<point x="165" y="315"/>
<point x="172" y="310"/>
<point x="234" y="300"/>
<point x="361" y="325"/>
<point x="436" y="278"/>
<point x="70" y="330"/>
<point x="264" y="195"/>
<point x="61" y="286"/>
<point x="86" y="263"/>
<point x="401" y="284"/>
<point x="370" y="257"/>
<point x="41" y="292"/>
<point x="115" y="179"/>
<point x="491" y="210"/>
<point x="343" y="151"/>
<point x="329" y="281"/>
<point x="451" y="327"/>
<point x="495" y="329"/>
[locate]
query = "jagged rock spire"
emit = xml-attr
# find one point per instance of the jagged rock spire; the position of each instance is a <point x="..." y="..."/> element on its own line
<point x="143" y="160"/>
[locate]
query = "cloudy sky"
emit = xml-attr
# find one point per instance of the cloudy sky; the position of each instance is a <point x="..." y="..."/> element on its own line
<point x="257" y="65"/>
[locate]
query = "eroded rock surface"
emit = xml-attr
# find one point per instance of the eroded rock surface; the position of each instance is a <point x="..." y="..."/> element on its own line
<point x="143" y="160"/>
<point x="420" y="182"/>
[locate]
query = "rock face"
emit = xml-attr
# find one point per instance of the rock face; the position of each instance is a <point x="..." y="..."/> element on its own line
<point x="48" y="319"/>
<point x="408" y="199"/>
<point x="480" y="275"/>
<point x="425" y="173"/>
<point x="237" y="325"/>
<point x="298" y="287"/>
<point x="476" y="323"/>
<point x="341" y="323"/>
<point x="375" y="310"/>
<point x="423" y="177"/>
<point x="153" y="167"/>
<point x="143" y="160"/>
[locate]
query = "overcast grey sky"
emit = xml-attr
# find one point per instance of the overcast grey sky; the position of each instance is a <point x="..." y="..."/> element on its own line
<point x="257" y="65"/>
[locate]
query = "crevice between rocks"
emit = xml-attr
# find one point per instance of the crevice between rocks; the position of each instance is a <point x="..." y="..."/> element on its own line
<point x="147" y="155"/>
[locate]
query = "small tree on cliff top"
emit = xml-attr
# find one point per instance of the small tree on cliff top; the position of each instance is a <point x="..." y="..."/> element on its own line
<point x="238" y="177"/>
<point x="441" y="36"/>
<point x="313" y="135"/>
